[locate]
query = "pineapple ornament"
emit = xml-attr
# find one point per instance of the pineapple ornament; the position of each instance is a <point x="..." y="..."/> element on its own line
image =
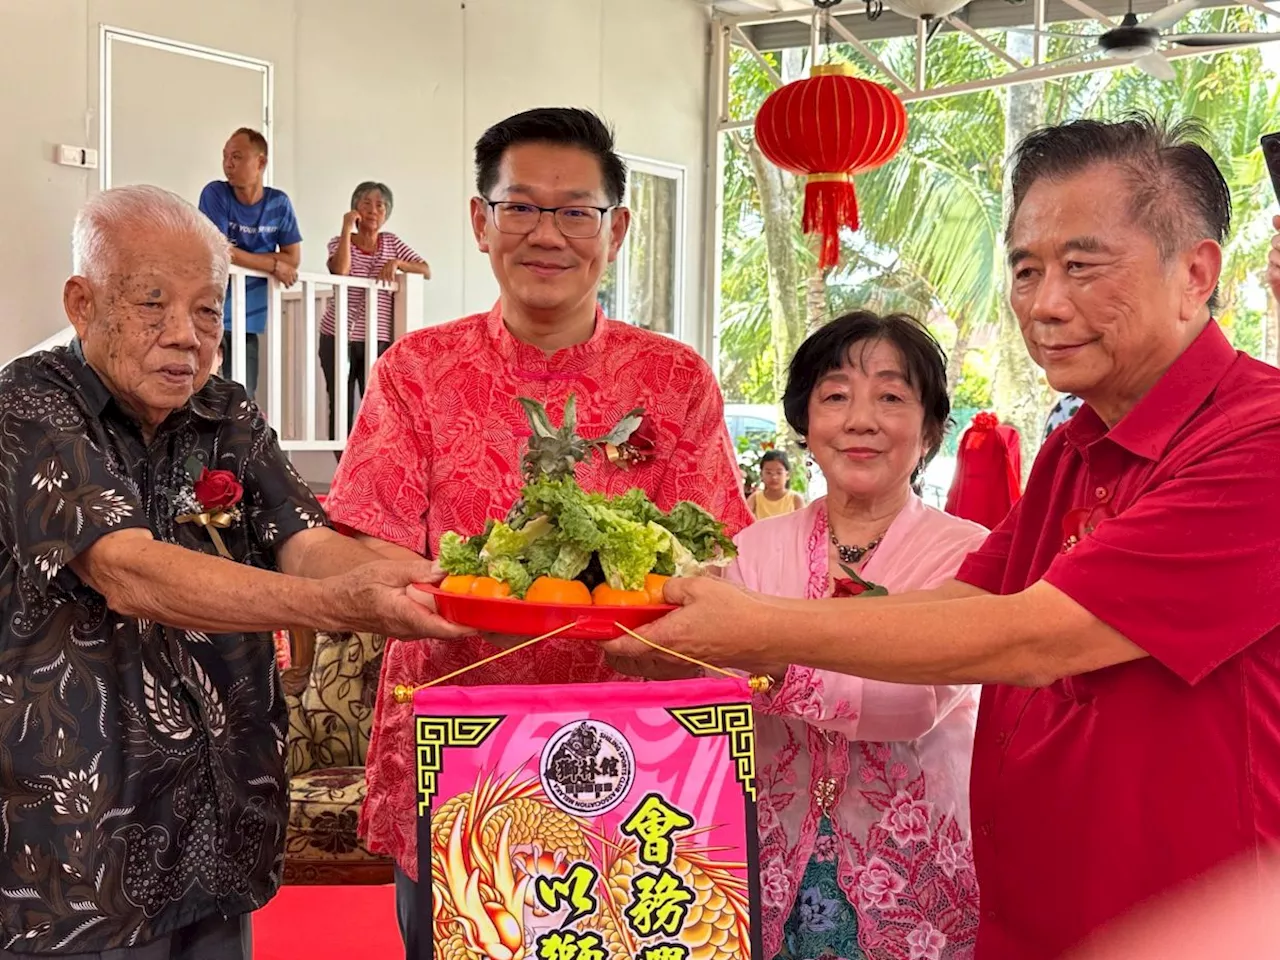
<point x="556" y="451"/>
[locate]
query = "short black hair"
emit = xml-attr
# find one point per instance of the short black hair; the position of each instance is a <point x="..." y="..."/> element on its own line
<point x="368" y="187"/>
<point x="828" y="348"/>
<point x="775" y="456"/>
<point x="562" y="126"/>
<point x="256" y="139"/>
<point x="1177" y="193"/>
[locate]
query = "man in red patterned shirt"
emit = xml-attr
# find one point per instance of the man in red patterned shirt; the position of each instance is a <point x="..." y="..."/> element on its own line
<point x="438" y="442"/>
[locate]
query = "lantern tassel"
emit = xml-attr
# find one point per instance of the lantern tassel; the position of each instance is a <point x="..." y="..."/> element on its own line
<point x="829" y="204"/>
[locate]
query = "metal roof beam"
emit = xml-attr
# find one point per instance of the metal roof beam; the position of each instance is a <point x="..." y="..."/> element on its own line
<point x="847" y="36"/>
<point x="781" y="30"/>
<point x="1071" y="66"/>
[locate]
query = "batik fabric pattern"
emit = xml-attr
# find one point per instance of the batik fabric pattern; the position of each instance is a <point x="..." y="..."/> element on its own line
<point x="142" y="775"/>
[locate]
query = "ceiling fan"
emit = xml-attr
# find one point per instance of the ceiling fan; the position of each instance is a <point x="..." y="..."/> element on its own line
<point x="1140" y="41"/>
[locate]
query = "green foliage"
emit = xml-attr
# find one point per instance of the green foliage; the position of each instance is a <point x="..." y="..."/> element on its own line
<point x="973" y="390"/>
<point x="556" y="528"/>
<point x="930" y="241"/>
<point x="1243" y="327"/>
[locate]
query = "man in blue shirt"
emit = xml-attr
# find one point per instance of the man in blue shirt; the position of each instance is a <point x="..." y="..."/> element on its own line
<point x="263" y="230"/>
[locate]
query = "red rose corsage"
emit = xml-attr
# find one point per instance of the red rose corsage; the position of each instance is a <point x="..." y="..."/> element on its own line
<point x="218" y="489"/>
<point x="855" y="586"/>
<point x="216" y="492"/>
<point x="634" y="447"/>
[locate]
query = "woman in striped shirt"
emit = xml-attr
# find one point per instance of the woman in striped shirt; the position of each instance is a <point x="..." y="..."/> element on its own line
<point x="363" y="249"/>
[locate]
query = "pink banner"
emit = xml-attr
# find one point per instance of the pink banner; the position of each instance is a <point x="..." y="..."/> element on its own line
<point x="588" y="821"/>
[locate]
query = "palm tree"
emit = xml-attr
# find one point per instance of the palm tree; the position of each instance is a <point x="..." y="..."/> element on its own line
<point x="931" y="239"/>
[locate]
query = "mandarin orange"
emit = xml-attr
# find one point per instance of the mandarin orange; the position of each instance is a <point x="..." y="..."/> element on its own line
<point x="459" y="583"/>
<point x="490" y="588"/>
<point x="606" y="596"/>
<point x="555" y="590"/>
<point x="653" y="584"/>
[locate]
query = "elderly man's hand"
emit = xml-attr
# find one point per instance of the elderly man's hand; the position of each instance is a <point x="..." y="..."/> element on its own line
<point x="376" y="597"/>
<point x="1273" y="261"/>
<point x="500" y="640"/>
<point x="285" y="272"/>
<point x="719" y="623"/>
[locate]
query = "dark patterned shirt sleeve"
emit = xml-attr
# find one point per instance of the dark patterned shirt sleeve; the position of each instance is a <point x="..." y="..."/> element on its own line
<point x="280" y="502"/>
<point x="59" y="491"/>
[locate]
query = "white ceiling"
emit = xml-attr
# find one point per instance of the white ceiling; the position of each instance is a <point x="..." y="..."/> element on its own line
<point x="751" y="7"/>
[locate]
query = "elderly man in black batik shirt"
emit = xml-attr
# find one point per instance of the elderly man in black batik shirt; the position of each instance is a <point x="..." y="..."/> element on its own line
<point x="143" y="794"/>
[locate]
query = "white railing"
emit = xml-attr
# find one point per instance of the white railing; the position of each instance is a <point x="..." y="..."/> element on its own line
<point x="294" y="401"/>
<point x="59" y="339"/>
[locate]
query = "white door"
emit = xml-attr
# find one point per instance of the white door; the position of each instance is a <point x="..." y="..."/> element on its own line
<point x="167" y="110"/>
<point x="169" y="107"/>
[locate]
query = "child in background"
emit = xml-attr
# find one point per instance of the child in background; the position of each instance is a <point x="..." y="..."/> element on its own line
<point x="773" y="499"/>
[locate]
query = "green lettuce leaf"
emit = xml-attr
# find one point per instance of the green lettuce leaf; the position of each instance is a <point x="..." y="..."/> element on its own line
<point x="700" y="532"/>
<point x="541" y="554"/>
<point x="512" y="572"/>
<point x="568" y="508"/>
<point x="635" y="505"/>
<point x="674" y="558"/>
<point x="460" y="557"/>
<point x="570" y="561"/>
<point x="554" y="556"/>
<point x="629" y="552"/>
<point x="556" y="527"/>
<point x="505" y="542"/>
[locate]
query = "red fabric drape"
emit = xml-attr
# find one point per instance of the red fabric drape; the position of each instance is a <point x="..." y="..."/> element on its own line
<point x="988" y="479"/>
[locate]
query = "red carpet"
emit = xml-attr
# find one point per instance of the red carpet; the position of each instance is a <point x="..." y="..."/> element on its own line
<point x="328" y="923"/>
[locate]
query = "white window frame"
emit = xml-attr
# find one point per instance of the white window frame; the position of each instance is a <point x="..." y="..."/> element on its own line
<point x="108" y="36"/>
<point x="677" y="173"/>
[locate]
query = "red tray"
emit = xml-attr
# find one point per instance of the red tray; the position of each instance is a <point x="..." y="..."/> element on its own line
<point x="524" y="619"/>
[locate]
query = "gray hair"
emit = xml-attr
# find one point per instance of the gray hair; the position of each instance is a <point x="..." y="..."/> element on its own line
<point x="368" y="187"/>
<point x="1177" y="193"/>
<point x="145" y="208"/>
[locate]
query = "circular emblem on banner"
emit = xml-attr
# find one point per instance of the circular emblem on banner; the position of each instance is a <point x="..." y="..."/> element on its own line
<point x="587" y="768"/>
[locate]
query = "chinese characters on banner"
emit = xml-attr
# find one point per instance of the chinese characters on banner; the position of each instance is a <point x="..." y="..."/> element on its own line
<point x="588" y="822"/>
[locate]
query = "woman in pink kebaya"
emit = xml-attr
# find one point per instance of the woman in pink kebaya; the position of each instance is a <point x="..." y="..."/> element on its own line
<point x="863" y="802"/>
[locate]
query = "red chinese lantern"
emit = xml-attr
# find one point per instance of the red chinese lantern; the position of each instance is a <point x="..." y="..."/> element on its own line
<point x="828" y="128"/>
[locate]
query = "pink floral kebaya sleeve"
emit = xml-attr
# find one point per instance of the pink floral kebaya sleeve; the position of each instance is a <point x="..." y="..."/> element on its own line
<point x="861" y="709"/>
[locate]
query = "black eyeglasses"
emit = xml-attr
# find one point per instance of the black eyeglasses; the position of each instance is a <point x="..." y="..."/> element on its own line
<point x="575" y="222"/>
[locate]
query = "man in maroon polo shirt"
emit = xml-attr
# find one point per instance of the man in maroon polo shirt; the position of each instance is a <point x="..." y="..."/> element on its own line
<point x="1125" y="615"/>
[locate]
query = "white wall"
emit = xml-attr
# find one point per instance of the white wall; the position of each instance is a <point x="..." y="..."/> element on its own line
<point x="390" y="90"/>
